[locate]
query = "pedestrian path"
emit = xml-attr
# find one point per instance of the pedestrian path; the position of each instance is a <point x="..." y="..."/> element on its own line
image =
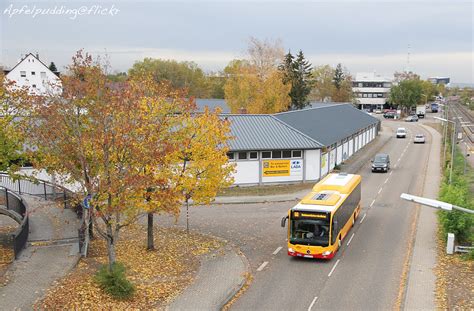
<point x="42" y="262"/>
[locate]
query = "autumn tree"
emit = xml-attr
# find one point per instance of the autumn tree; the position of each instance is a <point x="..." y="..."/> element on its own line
<point x="255" y="84"/>
<point x="181" y="75"/>
<point x="11" y="140"/>
<point x="323" y="87"/>
<point x="201" y="166"/>
<point x="107" y="140"/>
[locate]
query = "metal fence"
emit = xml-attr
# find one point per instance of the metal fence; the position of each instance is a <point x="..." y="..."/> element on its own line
<point x="45" y="190"/>
<point x="15" y="207"/>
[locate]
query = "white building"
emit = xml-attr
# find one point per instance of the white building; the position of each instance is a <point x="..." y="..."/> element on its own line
<point x="297" y="146"/>
<point x="32" y="73"/>
<point x="371" y="90"/>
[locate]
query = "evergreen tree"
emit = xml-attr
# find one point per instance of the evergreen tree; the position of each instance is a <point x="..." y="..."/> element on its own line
<point x="297" y="71"/>
<point x="52" y="67"/>
<point x="338" y="76"/>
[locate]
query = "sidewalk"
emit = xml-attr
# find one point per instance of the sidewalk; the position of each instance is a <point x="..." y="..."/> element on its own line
<point x="420" y="294"/>
<point x="219" y="278"/>
<point x="41" y="263"/>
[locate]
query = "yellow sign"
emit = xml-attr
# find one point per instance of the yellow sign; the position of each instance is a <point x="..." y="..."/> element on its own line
<point x="273" y="168"/>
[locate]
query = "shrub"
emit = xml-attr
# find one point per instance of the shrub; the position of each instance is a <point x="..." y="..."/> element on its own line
<point x="114" y="282"/>
<point x="469" y="256"/>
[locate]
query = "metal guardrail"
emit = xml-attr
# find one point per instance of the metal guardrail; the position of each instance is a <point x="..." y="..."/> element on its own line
<point x="15" y="206"/>
<point x="47" y="191"/>
<point x="463" y="249"/>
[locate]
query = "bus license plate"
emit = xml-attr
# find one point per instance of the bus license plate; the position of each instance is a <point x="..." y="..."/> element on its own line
<point x="308" y="256"/>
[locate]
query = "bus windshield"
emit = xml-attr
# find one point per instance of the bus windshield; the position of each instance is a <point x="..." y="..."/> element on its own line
<point x="309" y="232"/>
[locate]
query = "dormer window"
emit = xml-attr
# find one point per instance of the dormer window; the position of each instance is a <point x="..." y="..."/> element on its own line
<point x="23" y="74"/>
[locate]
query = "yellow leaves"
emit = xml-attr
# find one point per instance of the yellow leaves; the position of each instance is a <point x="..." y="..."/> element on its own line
<point x="158" y="275"/>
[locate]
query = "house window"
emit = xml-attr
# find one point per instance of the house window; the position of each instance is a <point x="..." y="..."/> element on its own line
<point x="242" y="155"/>
<point x="253" y="155"/>
<point x="23" y="74"/>
<point x="266" y="154"/>
<point x="230" y="155"/>
<point x="296" y="154"/>
<point x="33" y="73"/>
<point x="286" y="153"/>
<point x="34" y="85"/>
<point x="276" y="154"/>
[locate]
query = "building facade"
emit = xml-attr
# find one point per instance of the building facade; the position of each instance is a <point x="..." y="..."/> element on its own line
<point x="297" y="146"/>
<point x="33" y="74"/>
<point x="371" y="90"/>
<point x="439" y="80"/>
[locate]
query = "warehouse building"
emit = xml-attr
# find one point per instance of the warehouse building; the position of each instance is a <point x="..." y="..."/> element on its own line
<point x="297" y="146"/>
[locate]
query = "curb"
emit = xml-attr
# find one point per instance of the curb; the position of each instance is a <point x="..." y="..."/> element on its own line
<point x="237" y="288"/>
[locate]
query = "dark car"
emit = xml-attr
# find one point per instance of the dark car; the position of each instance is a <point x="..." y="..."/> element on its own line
<point x="381" y="163"/>
<point x="389" y="115"/>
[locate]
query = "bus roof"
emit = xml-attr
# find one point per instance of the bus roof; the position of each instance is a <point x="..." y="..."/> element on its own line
<point x="328" y="194"/>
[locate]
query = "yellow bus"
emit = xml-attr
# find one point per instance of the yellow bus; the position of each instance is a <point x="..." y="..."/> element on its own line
<point x="320" y="221"/>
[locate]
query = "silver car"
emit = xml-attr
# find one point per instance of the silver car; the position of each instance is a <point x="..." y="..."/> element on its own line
<point x="419" y="139"/>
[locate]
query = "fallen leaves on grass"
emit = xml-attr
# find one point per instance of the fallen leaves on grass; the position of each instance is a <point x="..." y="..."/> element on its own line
<point x="158" y="275"/>
<point x="454" y="280"/>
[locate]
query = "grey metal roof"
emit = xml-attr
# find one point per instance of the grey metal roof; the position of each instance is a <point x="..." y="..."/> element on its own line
<point x="328" y="124"/>
<point x="265" y="132"/>
<point x="212" y="104"/>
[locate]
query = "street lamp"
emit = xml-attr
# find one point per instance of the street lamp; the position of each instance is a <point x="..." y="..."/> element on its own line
<point x="452" y="145"/>
<point x="434" y="203"/>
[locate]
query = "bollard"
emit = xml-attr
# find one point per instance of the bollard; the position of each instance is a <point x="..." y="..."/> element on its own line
<point x="450" y="244"/>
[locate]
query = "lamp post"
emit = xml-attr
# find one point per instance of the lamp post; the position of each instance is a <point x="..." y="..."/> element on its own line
<point x="452" y="146"/>
<point x="434" y="203"/>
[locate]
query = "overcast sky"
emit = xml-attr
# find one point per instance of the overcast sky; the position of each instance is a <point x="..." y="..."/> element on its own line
<point x="362" y="35"/>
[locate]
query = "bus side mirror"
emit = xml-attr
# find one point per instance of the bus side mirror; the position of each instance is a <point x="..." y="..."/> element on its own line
<point x="283" y="221"/>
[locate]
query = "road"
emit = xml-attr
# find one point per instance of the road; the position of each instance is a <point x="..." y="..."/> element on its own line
<point x="366" y="272"/>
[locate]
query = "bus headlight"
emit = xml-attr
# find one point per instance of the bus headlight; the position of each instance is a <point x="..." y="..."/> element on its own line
<point x="326" y="253"/>
<point x="291" y="250"/>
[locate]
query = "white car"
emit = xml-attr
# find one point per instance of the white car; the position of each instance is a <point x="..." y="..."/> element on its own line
<point x="419" y="139"/>
<point x="401" y="132"/>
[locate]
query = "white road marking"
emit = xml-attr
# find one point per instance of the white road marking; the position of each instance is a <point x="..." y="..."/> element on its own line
<point x="380" y="190"/>
<point x="312" y="303"/>
<point x="371" y="204"/>
<point x="363" y="218"/>
<point x="333" y="268"/>
<point x="391" y="173"/>
<point x="349" y="242"/>
<point x="386" y="180"/>
<point x="277" y="250"/>
<point x="263" y="265"/>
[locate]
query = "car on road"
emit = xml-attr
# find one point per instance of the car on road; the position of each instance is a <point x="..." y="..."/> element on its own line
<point x="381" y="163"/>
<point x="412" y="118"/>
<point x="419" y="139"/>
<point x="378" y="111"/>
<point x="389" y="115"/>
<point x="401" y="132"/>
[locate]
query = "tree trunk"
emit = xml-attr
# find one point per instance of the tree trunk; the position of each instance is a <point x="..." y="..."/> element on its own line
<point x="110" y="246"/>
<point x="150" y="242"/>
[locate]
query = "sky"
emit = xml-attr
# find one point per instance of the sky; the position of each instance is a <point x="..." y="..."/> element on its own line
<point x="363" y="35"/>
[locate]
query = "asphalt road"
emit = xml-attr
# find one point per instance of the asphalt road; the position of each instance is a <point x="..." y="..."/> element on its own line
<point x="366" y="272"/>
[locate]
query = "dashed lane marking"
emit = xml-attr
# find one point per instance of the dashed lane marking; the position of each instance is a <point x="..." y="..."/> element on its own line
<point x="312" y="303"/>
<point x="333" y="268"/>
<point x="391" y="173"/>
<point x="262" y="266"/>
<point x="371" y="204"/>
<point x="277" y="250"/>
<point x="386" y="180"/>
<point x="380" y="190"/>
<point x="363" y="217"/>
<point x="349" y="242"/>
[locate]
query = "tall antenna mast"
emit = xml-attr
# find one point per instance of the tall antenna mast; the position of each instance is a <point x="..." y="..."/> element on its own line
<point x="408" y="59"/>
